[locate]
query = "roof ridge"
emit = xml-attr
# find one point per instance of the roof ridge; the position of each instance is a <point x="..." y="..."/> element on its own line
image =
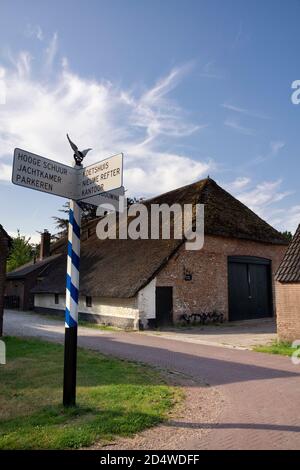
<point x="246" y="208"/>
<point x="204" y="180"/>
<point x="289" y="269"/>
<point x="34" y="265"/>
<point x="5" y="232"/>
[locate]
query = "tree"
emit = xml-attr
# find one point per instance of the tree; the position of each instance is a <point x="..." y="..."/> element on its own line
<point x="288" y="235"/>
<point x="21" y="252"/>
<point x="61" y="223"/>
<point x="135" y="200"/>
<point x="88" y="213"/>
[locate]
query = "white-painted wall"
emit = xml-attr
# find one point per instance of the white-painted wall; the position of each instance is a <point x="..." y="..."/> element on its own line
<point x="141" y="307"/>
<point x="125" y="308"/>
<point x="48" y="301"/>
<point x="146" y="301"/>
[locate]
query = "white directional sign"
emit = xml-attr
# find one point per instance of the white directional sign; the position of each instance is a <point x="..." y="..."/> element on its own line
<point x="42" y="174"/>
<point x="102" y="177"/>
<point x="77" y="184"/>
<point x="107" y="200"/>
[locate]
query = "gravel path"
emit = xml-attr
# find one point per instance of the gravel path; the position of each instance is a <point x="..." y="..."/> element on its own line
<point x="252" y="402"/>
<point x="202" y="402"/>
<point x="237" y="335"/>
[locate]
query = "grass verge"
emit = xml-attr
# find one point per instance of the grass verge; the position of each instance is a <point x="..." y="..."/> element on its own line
<point x="281" y="348"/>
<point x="114" y="398"/>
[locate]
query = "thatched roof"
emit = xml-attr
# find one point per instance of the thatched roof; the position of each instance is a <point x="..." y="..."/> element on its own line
<point x="224" y="214"/>
<point x="289" y="270"/>
<point x="120" y="268"/>
<point x="22" y="271"/>
<point x="4" y="234"/>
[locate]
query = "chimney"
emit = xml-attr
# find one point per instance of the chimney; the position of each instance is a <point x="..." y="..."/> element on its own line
<point x="45" y="244"/>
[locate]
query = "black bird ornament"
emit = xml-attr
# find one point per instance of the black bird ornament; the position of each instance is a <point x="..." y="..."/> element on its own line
<point x="78" y="154"/>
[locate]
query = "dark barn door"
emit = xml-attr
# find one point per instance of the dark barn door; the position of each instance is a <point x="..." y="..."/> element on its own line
<point x="164" y="306"/>
<point x="250" y="288"/>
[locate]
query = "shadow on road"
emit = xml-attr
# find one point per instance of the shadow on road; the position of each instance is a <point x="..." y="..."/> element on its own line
<point x="215" y="365"/>
<point x="257" y="426"/>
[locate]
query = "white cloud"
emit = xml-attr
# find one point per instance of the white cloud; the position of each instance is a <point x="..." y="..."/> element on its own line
<point x="5" y="172"/>
<point x="289" y="219"/>
<point x="39" y="111"/>
<point x="209" y="71"/>
<point x="239" y="110"/>
<point x="274" y="149"/>
<point x="21" y="64"/>
<point x="262" y="195"/>
<point x="276" y="146"/>
<point x="236" y="126"/>
<point x="161" y="172"/>
<point x="51" y="52"/>
<point x="156" y="114"/>
<point x="99" y="114"/>
<point x="263" y="198"/>
<point x="34" y="31"/>
<point x="34" y="237"/>
<point x="238" y="184"/>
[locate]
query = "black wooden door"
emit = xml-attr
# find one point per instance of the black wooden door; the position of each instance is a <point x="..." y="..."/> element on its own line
<point x="249" y="288"/>
<point x="164" y="306"/>
<point x="260" y="284"/>
<point x="239" y="306"/>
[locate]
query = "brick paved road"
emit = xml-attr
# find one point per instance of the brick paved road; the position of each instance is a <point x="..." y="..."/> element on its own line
<point x="261" y="392"/>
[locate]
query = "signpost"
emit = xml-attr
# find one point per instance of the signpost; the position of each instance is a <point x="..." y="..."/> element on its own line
<point x="96" y="184"/>
<point x="105" y="201"/>
<point x="101" y="177"/>
<point x="76" y="183"/>
<point x="36" y="172"/>
<point x="72" y="297"/>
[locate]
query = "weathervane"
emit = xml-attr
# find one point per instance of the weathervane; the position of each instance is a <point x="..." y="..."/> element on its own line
<point x="78" y="154"/>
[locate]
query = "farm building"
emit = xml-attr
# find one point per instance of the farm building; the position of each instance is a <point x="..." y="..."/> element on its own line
<point x="288" y="292"/>
<point x="145" y="283"/>
<point x="20" y="281"/>
<point x="5" y="241"/>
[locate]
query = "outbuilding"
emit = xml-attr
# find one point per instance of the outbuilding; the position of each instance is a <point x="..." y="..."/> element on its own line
<point x="5" y="242"/>
<point x="21" y="280"/>
<point x="288" y="292"/>
<point x="145" y="283"/>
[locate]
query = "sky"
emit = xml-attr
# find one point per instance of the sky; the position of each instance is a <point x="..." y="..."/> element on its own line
<point x="184" y="88"/>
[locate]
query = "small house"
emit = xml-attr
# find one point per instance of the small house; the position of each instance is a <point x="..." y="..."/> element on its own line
<point x="288" y="292"/>
<point x="20" y="281"/>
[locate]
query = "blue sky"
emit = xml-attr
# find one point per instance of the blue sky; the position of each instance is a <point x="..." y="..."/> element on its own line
<point x="182" y="88"/>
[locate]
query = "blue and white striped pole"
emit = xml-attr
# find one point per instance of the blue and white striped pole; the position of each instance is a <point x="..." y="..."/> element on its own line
<point x="72" y="298"/>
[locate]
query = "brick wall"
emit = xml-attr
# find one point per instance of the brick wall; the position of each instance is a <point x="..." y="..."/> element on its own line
<point x="208" y="289"/>
<point x="21" y="288"/>
<point x="3" y="258"/>
<point x="288" y="311"/>
<point x="15" y="288"/>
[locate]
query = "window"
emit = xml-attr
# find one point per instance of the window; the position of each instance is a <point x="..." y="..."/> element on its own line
<point x="56" y="298"/>
<point x="88" y="301"/>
